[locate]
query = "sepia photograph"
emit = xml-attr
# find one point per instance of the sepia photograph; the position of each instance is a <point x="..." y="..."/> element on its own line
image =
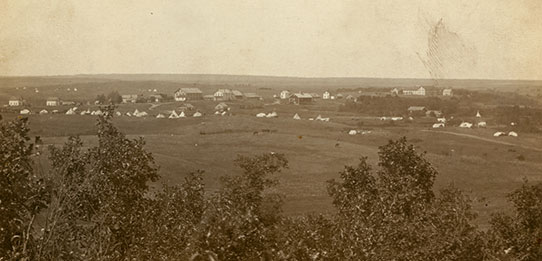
<point x="210" y="130"/>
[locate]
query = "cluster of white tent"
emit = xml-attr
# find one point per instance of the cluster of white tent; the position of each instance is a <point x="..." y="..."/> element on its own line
<point x="93" y="113"/>
<point x="354" y="132"/>
<point x="500" y="133"/>
<point x="71" y="111"/>
<point x="174" y="115"/>
<point x="481" y="124"/>
<point x="296" y="116"/>
<point x="138" y="113"/>
<point x="319" y="118"/>
<point x="391" y="118"/>
<point x="268" y="115"/>
<point x="441" y="123"/>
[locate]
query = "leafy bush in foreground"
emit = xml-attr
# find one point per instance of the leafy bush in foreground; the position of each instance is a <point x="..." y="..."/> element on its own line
<point x="520" y="235"/>
<point x="391" y="215"/>
<point x="22" y="194"/>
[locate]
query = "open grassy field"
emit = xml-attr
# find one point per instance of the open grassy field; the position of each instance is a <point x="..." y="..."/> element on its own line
<point x="485" y="166"/>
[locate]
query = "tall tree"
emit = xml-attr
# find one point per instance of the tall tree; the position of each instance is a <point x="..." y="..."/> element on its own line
<point x="22" y="193"/>
<point x="114" y="97"/>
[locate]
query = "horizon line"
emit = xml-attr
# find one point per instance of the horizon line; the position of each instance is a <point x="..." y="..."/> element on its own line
<point x="263" y="75"/>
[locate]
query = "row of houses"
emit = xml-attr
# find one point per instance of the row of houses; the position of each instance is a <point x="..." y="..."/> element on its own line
<point x="419" y="91"/>
<point x="50" y="102"/>
<point x="327" y="95"/>
<point x="185" y="94"/>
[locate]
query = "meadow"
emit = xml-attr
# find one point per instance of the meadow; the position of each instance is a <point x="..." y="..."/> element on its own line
<point x="486" y="167"/>
<point x="316" y="151"/>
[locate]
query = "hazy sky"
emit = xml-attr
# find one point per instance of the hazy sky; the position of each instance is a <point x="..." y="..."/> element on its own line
<point x="494" y="39"/>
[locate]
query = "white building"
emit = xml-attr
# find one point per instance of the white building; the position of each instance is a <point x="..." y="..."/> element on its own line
<point x="13" y="101"/>
<point x="52" y="101"/>
<point x="285" y="94"/>
<point x="326" y="95"/>
<point x="447" y="92"/>
<point x="420" y="91"/>
<point x="184" y="94"/>
<point x="223" y="95"/>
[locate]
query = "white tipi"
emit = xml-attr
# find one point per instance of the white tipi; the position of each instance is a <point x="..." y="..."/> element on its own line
<point x="296" y="117"/>
<point x="478" y="115"/>
<point x="173" y="115"/>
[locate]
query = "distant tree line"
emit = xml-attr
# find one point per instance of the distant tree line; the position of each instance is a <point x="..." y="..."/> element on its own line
<point x="524" y="119"/>
<point x="95" y="204"/>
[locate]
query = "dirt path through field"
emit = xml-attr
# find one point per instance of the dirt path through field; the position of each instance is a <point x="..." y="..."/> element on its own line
<point x="484" y="139"/>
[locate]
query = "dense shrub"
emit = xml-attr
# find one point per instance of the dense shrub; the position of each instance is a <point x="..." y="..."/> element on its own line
<point x="519" y="236"/>
<point x="22" y="194"/>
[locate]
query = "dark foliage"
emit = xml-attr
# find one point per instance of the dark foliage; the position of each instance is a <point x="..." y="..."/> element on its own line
<point x="520" y="236"/>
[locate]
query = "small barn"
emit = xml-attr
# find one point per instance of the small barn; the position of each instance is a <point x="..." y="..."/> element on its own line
<point x="301" y="98"/>
<point x="14" y="101"/>
<point x="52" y="101"/>
<point x="184" y="94"/>
<point x="223" y="95"/>
<point x="238" y="95"/>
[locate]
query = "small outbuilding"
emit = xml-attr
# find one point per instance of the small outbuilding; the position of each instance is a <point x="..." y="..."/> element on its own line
<point x="301" y="98"/>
